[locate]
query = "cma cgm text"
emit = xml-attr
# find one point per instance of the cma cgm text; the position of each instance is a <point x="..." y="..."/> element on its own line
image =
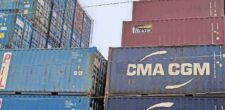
<point x="174" y="69"/>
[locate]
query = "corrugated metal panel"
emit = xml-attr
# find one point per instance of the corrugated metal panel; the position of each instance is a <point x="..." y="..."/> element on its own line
<point x="76" y="39"/>
<point x="86" y="33"/>
<point x="66" y="35"/>
<point x="39" y="39"/>
<point x="52" y="43"/>
<point x="69" y="11"/>
<point x="194" y="31"/>
<point x="79" y="18"/>
<point x="48" y="103"/>
<point x="56" y="24"/>
<point x="165" y="103"/>
<point x="9" y="4"/>
<point x="71" y="70"/>
<point x="15" y="30"/>
<point x="166" y="70"/>
<point x="169" y="9"/>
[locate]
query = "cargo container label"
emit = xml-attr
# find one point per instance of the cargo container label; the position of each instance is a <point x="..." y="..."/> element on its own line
<point x="174" y="69"/>
<point x="5" y="69"/>
<point x="142" y="29"/>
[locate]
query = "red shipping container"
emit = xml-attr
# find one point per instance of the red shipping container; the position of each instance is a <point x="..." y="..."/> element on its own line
<point x="79" y="18"/>
<point x="169" y="9"/>
<point x="174" y="32"/>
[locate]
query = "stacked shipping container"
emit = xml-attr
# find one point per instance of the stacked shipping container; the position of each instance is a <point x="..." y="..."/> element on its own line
<point x="57" y="79"/>
<point x="76" y="72"/>
<point x="175" y="22"/>
<point x="151" y="62"/>
<point x="55" y="18"/>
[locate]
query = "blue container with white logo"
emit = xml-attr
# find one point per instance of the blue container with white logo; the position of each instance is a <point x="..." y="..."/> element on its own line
<point x="164" y="103"/>
<point x="39" y="102"/>
<point x="70" y="71"/>
<point x="166" y="70"/>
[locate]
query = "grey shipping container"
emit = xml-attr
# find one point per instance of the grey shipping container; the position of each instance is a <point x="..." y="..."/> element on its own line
<point x="165" y="103"/>
<point x="76" y="71"/>
<point x="166" y="70"/>
<point x="39" y="102"/>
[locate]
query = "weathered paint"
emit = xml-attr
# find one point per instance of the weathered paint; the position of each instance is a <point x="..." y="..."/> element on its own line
<point x="80" y="71"/>
<point x="174" y="32"/>
<point x="166" y="70"/>
<point x="170" y="9"/>
<point x="28" y="102"/>
<point x="164" y="103"/>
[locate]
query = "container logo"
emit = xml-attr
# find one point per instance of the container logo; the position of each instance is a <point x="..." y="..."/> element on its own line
<point x="161" y="105"/>
<point x="142" y="28"/>
<point x="171" y="69"/>
<point x="5" y="69"/>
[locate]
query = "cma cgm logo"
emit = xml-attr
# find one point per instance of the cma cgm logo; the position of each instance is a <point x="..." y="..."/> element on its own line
<point x="172" y="69"/>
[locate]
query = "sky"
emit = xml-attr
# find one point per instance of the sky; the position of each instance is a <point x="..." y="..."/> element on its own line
<point x="107" y="28"/>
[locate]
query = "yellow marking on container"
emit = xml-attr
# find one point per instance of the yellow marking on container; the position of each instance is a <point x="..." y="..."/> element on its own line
<point x="2" y="35"/>
<point x="26" y="11"/>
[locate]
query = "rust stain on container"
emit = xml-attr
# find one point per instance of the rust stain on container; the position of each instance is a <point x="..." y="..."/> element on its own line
<point x="175" y="32"/>
<point x="169" y="9"/>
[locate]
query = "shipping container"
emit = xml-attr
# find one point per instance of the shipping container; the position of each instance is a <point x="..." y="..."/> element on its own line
<point x="66" y="35"/>
<point x="15" y="30"/>
<point x="176" y="32"/>
<point x="37" y="11"/>
<point x="69" y="11"/>
<point x="39" y="39"/>
<point x="79" y="18"/>
<point x="86" y="33"/>
<point x="166" y="70"/>
<point x="170" y="9"/>
<point x="68" y="24"/>
<point x="74" y="71"/>
<point x="31" y="102"/>
<point x="56" y="25"/>
<point x="76" y="39"/>
<point x="164" y="103"/>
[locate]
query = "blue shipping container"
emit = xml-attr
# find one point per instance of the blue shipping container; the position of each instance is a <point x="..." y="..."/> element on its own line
<point x="15" y="30"/>
<point x="164" y="103"/>
<point x="37" y="11"/>
<point x="76" y="71"/>
<point x="66" y="35"/>
<point x="166" y="70"/>
<point x="69" y="11"/>
<point x="48" y="103"/>
<point x="56" y="25"/>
